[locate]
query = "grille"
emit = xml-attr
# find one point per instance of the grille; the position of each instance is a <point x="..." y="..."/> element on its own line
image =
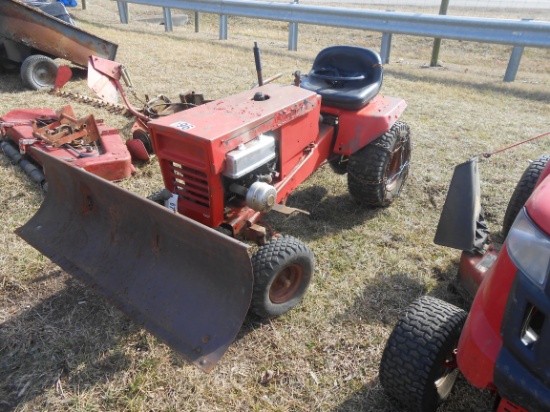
<point x="191" y="185"/>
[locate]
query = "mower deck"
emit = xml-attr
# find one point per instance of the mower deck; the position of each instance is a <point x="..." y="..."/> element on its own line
<point x="86" y="143"/>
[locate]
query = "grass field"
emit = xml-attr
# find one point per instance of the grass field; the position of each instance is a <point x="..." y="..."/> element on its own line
<point x="63" y="348"/>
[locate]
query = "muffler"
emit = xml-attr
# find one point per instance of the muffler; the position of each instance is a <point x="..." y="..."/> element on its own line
<point x="185" y="283"/>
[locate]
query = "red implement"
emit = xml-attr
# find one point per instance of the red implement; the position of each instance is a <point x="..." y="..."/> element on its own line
<point x="86" y="143"/>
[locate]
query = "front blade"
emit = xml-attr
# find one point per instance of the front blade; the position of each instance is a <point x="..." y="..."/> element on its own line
<point x="457" y="224"/>
<point x="185" y="283"/>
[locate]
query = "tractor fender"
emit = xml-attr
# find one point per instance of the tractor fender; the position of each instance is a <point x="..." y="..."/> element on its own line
<point x="356" y="129"/>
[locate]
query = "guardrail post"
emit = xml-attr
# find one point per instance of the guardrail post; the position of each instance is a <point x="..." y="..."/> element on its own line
<point x="385" y="47"/>
<point x="293" y="33"/>
<point x="123" y="11"/>
<point x="197" y="21"/>
<point x="437" y="42"/>
<point x="223" y="27"/>
<point x="167" y="12"/>
<point x="513" y="64"/>
<point x="292" y="36"/>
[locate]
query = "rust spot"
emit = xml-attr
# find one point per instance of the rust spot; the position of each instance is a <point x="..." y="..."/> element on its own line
<point x="88" y="202"/>
<point x="156" y="244"/>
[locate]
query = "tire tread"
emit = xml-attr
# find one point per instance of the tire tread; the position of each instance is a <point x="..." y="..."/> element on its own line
<point x="367" y="168"/>
<point x="413" y="350"/>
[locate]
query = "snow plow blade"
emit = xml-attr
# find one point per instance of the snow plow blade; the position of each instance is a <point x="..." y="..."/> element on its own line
<point x="187" y="284"/>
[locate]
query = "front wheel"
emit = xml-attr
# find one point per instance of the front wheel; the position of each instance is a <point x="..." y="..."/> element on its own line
<point x="283" y="269"/>
<point x="377" y="172"/>
<point x="38" y="72"/>
<point x="418" y="366"/>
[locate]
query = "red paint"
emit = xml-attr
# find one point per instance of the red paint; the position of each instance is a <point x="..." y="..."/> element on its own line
<point x="538" y="205"/>
<point x="357" y="129"/>
<point x="507" y="406"/>
<point x="481" y="341"/>
<point x="64" y="74"/>
<point x="192" y="145"/>
<point x="137" y="149"/>
<point x="112" y="162"/>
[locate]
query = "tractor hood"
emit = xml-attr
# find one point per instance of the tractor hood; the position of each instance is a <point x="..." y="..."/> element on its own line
<point x="538" y="206"/>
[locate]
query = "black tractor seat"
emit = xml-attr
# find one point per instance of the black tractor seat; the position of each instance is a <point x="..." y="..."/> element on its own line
<point x="346" y="77"/>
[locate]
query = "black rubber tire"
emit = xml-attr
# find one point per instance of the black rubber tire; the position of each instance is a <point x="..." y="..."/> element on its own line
<point x="413" y="369"/>
<point x="523" y="191"/>
<point x="38" y="72"/>
<point x="339" y="164"/>
<point x="377" y="172"/>
<point x="283" y="269"/>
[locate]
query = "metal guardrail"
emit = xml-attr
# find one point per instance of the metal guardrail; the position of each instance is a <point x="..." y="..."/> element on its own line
<point x="519" y="33"/>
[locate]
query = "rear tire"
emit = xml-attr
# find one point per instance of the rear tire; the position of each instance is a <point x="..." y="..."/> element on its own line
<point x="377" y="172"/>
<point x="38" y="72"/>
<point x="523" y="191"/>
<point x="283" y="269"/>
<point x="418" y="366"/>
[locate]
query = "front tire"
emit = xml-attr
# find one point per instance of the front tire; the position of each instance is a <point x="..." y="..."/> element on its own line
<point x="283" y="269"/>
<point x="418" y="366"/>
<point x="38" y="72"/>
<point x="377" y="172"/>
<point x="523" y="191"/>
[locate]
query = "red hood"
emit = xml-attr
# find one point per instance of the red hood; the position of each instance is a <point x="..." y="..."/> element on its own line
<point x="538" y="205"/>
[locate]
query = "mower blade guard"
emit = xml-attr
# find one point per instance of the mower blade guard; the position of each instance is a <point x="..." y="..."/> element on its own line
<point x="458" y="222"/>
<point x="185" y="283"/>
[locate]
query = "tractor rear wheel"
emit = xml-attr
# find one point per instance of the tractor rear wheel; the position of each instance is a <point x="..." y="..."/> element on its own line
<point x="418" y="366"/>
<point x="38" y="72"/>
<point x="377" y="172"/>
<point x="523" y="191"/>
<point x="283" y="269"/>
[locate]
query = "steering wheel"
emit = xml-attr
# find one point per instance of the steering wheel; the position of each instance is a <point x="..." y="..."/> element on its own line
<point x="336" y="77"/>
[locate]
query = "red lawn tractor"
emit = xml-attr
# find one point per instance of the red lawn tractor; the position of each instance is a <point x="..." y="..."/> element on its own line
<point x="503" y="343"/>
<point x="181" y="267"/>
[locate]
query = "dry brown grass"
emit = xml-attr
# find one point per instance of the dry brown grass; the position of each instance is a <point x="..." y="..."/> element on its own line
<point x="63" y="348"/>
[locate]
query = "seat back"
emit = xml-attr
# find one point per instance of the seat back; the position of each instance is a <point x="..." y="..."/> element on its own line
<point x="346" y="77"/>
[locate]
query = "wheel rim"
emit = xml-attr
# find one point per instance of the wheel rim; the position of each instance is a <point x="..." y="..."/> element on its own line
<point x="286" y="284"/>
<point x="398" y="166"/>
<point x="446" y="373"/>
<point x="43" y="75"/>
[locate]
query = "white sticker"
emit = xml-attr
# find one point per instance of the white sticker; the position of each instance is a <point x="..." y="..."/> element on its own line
<point x="183" y="125"/>
<point x="172" y="202"/>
